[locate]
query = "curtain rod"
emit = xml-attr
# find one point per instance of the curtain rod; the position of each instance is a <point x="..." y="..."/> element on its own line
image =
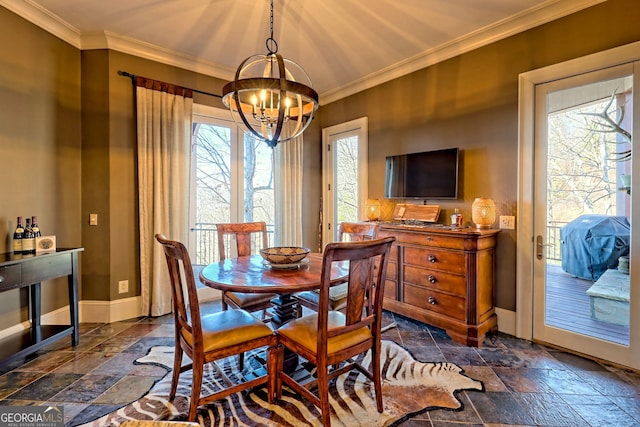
<point x="133" y="79"/>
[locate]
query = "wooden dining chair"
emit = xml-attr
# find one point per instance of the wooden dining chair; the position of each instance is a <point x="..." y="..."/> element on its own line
<point x="212" y="337"/>
<point x="347" y="232"/>
<point x="330" y="337"/>
<point x="250" y="237"/>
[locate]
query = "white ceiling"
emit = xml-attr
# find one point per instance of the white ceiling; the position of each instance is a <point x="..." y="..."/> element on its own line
<point x="344" y="45"/>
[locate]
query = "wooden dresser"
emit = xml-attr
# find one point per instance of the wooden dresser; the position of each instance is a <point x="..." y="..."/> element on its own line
<point x="443" y="277"/>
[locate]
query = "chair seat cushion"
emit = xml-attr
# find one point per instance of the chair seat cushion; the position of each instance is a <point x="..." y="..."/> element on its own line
<point x="227" y="328"/>
<point x="313" y="298"/>
<point x="243" y="300"/>
<point x="337" y="292"/>
<point x="305" y="332"/>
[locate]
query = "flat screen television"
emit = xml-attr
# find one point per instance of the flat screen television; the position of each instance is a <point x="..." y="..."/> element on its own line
<point x="426" y="175"/>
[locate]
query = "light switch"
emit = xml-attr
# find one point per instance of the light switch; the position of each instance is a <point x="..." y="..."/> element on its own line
<point x="507" y="222"/>
<point x="93" y="219"/>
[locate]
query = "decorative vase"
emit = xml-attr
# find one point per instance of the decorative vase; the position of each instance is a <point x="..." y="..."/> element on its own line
<point x="483" y="212"/>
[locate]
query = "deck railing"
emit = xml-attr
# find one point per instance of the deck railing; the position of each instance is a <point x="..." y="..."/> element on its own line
<point x="553" y="241"/>
<point x="203" y="242"/>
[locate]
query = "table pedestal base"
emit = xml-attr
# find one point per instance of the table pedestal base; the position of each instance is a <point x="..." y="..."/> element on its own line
<point x="283" y="312"/>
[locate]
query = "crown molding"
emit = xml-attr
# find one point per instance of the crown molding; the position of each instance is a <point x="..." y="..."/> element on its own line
<point x="117" y="42"/>
<point x="530" y="18"/>
<point x="44" y="19"/>
<point x="51" y="23"/>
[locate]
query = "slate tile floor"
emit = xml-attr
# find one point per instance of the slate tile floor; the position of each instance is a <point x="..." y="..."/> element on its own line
<point x="525" y="384"/>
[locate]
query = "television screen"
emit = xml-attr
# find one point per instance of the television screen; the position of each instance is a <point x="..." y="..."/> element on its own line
<point x="426" y="175"/>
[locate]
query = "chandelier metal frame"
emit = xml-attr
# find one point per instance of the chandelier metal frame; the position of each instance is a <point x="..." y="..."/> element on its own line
<point x="263" y="102"/>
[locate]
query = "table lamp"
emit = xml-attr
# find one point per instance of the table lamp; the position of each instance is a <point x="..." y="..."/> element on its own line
<point x="483" y="212"/>
<point x="373" y="209"/>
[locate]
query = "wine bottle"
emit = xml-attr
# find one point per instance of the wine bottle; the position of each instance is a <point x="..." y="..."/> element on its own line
<point x="18" y="236"/>
<point x="29" y="240"/>
<point x="34" y="226"/>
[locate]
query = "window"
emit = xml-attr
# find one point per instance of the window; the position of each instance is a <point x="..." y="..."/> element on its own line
<point x="231" y="180"/>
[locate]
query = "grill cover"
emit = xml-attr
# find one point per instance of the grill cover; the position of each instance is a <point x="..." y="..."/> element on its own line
<point x="591" y="244"/>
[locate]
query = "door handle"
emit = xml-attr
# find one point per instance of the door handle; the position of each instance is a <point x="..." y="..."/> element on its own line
<point x="540" y="247"/>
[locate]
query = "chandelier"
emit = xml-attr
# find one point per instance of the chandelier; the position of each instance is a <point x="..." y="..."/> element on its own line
<point x="268" y="92"/>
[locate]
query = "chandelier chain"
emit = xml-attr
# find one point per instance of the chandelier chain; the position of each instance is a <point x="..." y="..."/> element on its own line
<point x="272" y="45"/>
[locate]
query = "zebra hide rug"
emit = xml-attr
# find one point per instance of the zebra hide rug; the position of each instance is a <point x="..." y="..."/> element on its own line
<point x="409" y="387"/>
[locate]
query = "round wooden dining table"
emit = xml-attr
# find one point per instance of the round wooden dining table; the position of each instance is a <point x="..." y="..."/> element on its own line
<point x="251" y="274"/>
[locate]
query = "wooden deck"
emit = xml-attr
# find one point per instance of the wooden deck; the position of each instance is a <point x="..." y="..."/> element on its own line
<point x="568" y="307"/>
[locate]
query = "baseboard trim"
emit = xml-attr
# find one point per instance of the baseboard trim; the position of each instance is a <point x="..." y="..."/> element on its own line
<point x="130" y="308"/>
<point x="16" y="329"/>
<point x="506" y="321"/>
<point x="124" y="309"/>
<point x="110" y="311"/>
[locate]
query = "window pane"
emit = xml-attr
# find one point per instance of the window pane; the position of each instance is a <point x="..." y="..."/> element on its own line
<point x="346" y="161"/>
<point x="213" y="173"/>
<point x="258" y="182"/>
<point x="212" y="176"/>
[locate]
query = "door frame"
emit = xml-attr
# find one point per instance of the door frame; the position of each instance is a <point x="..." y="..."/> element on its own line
<point x="525" y="252"/>
<point x="360" y="126"/>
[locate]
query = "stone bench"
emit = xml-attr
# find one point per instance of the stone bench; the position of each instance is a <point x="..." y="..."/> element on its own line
<point x="609" y="298"/>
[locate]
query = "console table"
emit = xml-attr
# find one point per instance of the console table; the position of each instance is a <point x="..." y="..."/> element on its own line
<point x="445" y="277"/>
<point x="19" y="271"/>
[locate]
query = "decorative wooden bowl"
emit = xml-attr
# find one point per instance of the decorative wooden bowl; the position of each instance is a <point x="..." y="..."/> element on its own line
<point x="284" y="254"/>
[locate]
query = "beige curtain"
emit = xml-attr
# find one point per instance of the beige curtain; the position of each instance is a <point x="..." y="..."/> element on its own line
<point x="288" y="192"/>
<point x="164" y="129"/>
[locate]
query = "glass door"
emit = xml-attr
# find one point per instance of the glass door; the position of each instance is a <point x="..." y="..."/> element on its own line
<point x="583" y="214"/>
<point x="344" y="175"/>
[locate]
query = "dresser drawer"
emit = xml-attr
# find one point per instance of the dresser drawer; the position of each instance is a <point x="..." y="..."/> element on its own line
<point x="452" y="262"/>
<point x="426" y="239"/>
<point x="10" y="277"/>
<point x="448" y="305"/>
<point x="436" y="280"/>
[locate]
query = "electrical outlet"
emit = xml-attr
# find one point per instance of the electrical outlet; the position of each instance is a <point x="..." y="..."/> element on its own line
<point x="507" y="222"/>
<point x="123" y="286"/>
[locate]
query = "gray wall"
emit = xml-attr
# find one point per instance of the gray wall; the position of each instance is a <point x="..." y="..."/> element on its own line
<point x="40" y="145"/>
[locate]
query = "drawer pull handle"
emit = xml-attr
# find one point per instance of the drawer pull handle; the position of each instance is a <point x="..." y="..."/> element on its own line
<point x="431" y="258"/>
<point x="432" y="301"/>
<point x="1" y="279"/>
<point x="432" y="278"/>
